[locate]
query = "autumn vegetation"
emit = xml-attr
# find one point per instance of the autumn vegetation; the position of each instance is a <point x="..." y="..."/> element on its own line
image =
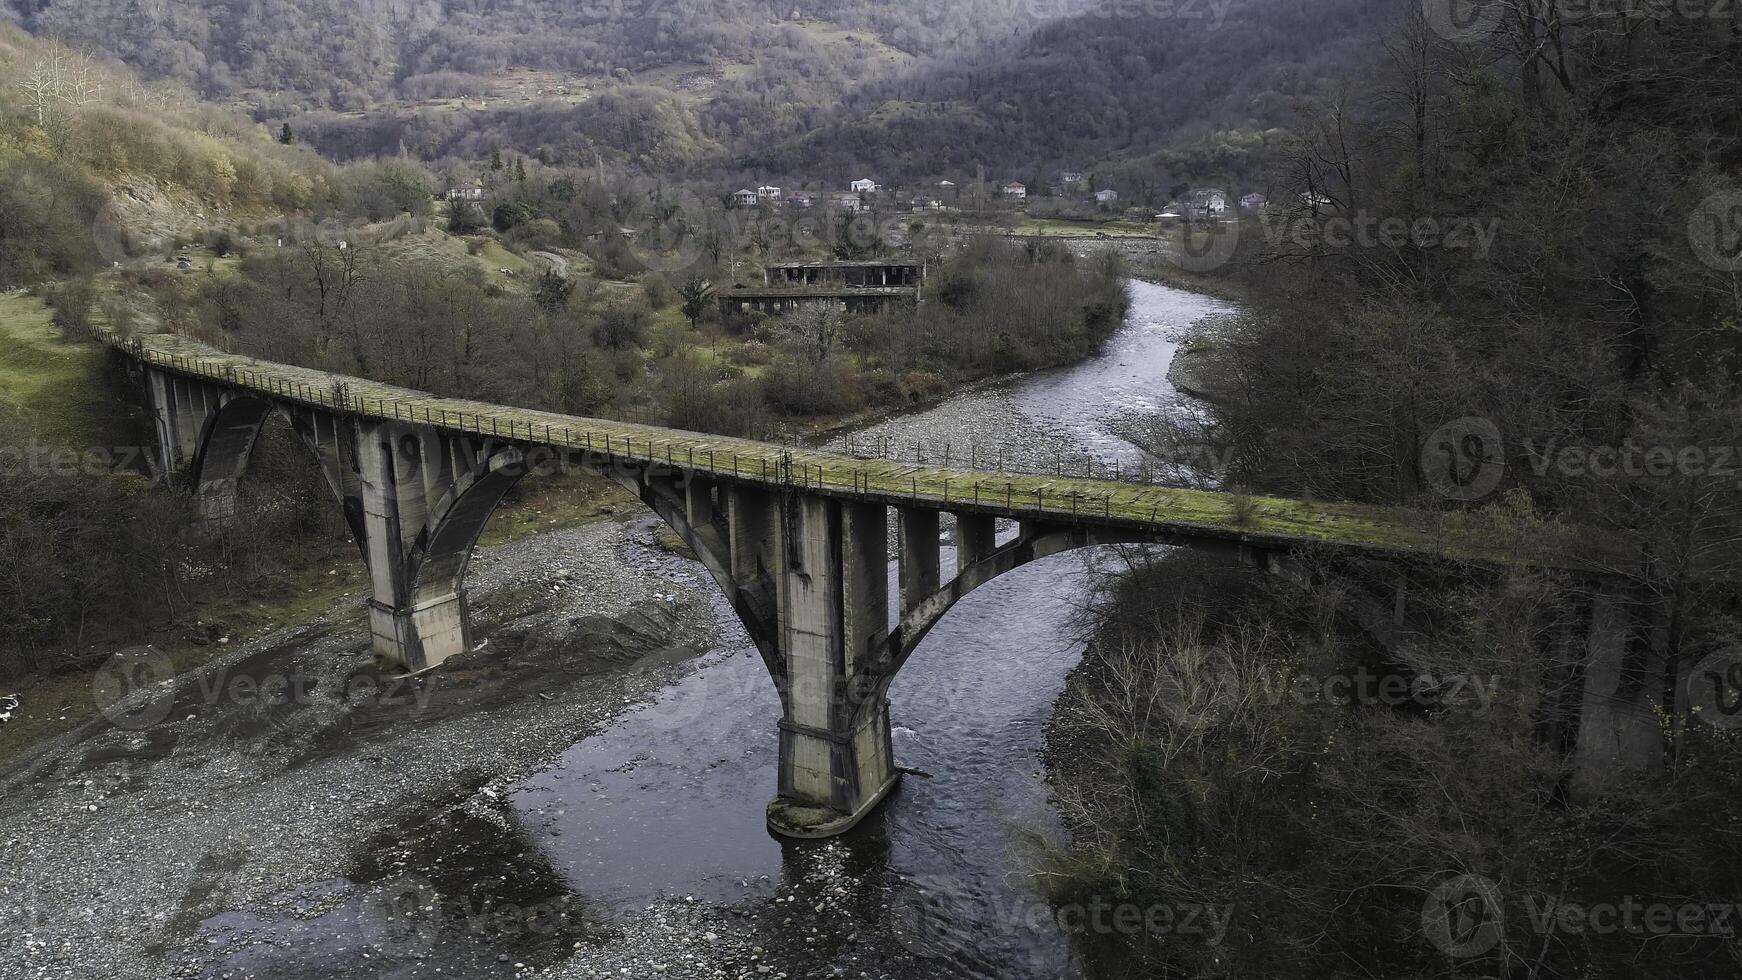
<point x="1603" y="315"/>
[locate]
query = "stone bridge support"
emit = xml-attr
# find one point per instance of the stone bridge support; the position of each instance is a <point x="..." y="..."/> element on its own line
<point x="416" y="497"/>
<point x="804" y="564"/>
<point x="808" y="575"/>
<point x="426" y="496"/>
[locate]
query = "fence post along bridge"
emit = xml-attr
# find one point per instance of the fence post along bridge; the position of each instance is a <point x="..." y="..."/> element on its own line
<point x="797" y="540"/>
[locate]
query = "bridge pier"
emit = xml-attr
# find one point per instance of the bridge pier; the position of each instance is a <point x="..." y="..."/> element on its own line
<point x="803" y="563"/>
<point x="836" y="761"/>
<point x="416" y="498"/>
<point x="426" y="496"/>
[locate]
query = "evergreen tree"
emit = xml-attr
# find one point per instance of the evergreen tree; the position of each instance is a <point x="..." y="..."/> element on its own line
<point x="285" y="136"/>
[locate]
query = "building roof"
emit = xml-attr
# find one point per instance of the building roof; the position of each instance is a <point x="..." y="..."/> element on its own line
<point x="818" y="291"/>
<point x="847" y="264"/>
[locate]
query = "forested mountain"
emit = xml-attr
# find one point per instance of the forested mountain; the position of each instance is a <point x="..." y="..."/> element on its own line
<point x="342" y="54"/>
<point x="1092" y="87"/>
<point x="821" y="89"/>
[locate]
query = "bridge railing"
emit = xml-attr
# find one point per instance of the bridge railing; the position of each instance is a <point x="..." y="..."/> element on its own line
<point x="972" y="457"/>
<point x="1006" y="458"/>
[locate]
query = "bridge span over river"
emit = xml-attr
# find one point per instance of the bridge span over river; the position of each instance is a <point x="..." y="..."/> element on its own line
<point x="797" y="539"/>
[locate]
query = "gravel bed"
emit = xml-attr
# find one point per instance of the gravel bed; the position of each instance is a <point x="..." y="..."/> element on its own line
<point x="120" y="842"/>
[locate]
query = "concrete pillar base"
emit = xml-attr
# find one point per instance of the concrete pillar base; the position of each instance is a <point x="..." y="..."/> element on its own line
<point x="420" y="636"/>
<point x="789" y="818"/>
<point x="829" y="780"/>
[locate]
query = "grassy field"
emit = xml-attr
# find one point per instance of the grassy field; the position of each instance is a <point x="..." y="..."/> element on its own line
<point x="48" y="382"/>
<point x="1062" y="228"/>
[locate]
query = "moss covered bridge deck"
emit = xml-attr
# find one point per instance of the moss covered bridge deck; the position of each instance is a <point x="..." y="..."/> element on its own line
<point x="1144" y="509"/>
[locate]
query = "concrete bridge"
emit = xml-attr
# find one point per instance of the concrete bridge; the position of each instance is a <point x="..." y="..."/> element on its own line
<point x="798" y="540"/>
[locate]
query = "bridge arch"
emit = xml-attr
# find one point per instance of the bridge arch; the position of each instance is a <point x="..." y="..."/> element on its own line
<point x="225" y="445"/>
<point x="797" y="539"/>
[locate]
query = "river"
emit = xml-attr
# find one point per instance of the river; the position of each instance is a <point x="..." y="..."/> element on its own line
<point x="670" y="800"/>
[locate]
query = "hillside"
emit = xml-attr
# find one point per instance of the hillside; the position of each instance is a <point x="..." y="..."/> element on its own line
<point x="96" y="166"/>
<point x="1088" y="89"/>
<point x="825" y="89"/>
<point x="285" y="55"/>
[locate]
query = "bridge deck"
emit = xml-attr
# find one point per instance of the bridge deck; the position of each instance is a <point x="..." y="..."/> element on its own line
<point x="1141" y="507"/>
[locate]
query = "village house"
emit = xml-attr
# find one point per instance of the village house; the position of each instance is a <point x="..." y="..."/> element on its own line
<point x="744" y="198"/>
<point x="467" y="190"/>
<point x="769" y="193"/>
<point x="864" y="185"/>
<point x="1072" y="180"/>
<point x="1015" y="190"/>
<point x="1252" y="202"/>
<point x="799" y="199"/>
<point x="847" y="201"/>
<point x="1107" y="198"/>
<point x="1209" y="201"/>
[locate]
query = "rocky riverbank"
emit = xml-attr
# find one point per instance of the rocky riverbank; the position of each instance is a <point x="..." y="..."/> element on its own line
<point x="276" y="765"/>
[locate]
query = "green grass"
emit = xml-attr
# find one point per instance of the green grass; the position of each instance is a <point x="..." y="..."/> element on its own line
<point x="553" y="504"/>
<point x="495" y="258"/>
<point x="50" y="382"/>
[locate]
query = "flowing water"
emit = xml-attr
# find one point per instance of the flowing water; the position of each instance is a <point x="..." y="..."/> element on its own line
<point x="668" y="803"/>
<point x="670" y="800"/>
